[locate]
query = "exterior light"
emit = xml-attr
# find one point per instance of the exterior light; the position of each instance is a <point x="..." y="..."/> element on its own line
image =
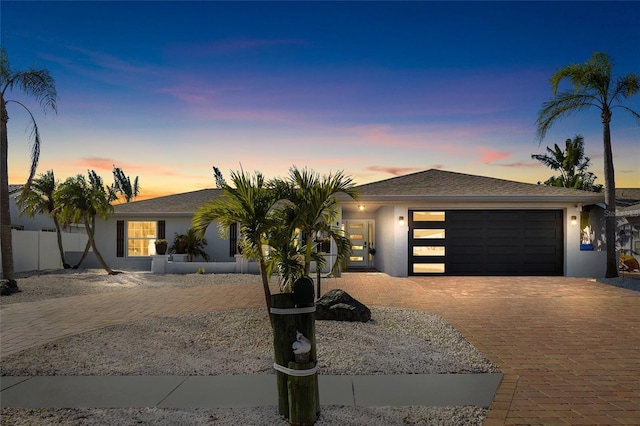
<point x="401" y="220"/>
<point x="361" y="207"/>
<point x="574" y="220"/>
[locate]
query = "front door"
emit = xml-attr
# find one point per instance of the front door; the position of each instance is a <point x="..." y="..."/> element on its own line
<point x="361" y="234"/>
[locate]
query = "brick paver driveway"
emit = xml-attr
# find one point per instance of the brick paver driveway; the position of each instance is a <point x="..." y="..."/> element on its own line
<point x="569" y="347"/>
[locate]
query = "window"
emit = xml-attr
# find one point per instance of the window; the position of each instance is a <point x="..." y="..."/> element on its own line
<point x="428" y="251"/>
<point x="428" y="233"/>
<point x="428" y="216"/>
<point x="141" y="237"/>
<point x="428" y="268"/>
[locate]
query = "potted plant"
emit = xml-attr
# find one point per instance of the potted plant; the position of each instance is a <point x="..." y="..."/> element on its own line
<point x="161" y="246"/>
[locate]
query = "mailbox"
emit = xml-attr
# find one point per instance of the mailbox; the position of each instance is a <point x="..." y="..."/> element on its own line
<point x="303" y="294"/>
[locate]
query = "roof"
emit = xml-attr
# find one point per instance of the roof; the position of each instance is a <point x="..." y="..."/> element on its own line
<point x="627" y="196"/>
<point x="439" y="184"/>
<point x="13" y="188"/>
<point x="428" y="185"/>
<point x="185" y="203"/>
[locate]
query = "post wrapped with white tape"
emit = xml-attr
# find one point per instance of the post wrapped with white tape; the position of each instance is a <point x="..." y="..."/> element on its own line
<point x="297" y="373"/>
<point x="293" y="311"/>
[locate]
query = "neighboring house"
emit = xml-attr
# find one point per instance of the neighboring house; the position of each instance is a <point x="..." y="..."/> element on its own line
<point x="628" y="216"/>
<point x="427" y="223"/>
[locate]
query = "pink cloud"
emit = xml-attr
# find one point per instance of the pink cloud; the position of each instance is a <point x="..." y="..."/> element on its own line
<point x="489" y="155"/>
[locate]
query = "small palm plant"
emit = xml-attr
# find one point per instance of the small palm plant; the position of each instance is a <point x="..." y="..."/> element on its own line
<point x="194" y="245"/>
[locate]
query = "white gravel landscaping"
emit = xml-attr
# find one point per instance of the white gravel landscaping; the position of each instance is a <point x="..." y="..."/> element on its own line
<point x="396" y="341"/>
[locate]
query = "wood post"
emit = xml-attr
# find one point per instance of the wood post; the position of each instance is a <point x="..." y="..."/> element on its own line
<point x="298" y="397"/>
<point x="302" y="395"/>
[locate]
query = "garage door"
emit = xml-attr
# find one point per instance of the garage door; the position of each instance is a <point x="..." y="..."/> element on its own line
<point x="486" y="242"/>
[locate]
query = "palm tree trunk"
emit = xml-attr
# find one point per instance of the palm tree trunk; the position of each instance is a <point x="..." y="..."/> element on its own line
<point x="65" y="265"/>
<point x="95" y="249"/>
<point x="84" y="255"/>
<point x="609" y="198"/>
<point x="265" y="287"/>
<point x="307" y="256"/>
<point x="6" y="244"/>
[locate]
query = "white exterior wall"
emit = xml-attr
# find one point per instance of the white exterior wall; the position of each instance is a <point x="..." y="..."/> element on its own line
<point x="106" y="231"/>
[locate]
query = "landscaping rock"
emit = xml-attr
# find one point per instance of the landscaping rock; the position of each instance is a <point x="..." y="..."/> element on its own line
<point x="8" y="287"/>
<point x="338" y="305"/>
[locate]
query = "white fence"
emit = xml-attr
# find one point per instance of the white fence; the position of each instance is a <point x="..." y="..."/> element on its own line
<point x="38" y="250"/>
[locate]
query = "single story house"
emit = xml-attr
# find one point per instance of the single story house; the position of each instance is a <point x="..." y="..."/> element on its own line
<point x="432" y="222"/>
<point x="628" y="217"/>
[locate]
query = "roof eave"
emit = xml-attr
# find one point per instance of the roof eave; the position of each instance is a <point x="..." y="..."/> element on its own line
<point x="585" y="199"/>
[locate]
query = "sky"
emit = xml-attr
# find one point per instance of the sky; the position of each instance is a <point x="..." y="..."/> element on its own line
<point x="167" y="90"/>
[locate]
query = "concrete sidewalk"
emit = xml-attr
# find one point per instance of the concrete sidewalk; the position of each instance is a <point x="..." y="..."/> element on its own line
<point x="243" y="391"/>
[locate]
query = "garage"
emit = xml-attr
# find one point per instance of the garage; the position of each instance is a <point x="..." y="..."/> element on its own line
<point x="486" y="242"/>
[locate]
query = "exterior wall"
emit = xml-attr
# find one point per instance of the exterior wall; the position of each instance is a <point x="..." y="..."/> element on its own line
<point x="391" y="241"/>
<point x="217" y="248"/>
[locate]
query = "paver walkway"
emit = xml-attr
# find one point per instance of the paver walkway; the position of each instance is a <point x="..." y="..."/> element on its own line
<point x="569" y="347"/>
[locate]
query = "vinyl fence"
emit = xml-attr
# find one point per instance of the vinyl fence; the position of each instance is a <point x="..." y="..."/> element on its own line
<point x="38" y="250"/>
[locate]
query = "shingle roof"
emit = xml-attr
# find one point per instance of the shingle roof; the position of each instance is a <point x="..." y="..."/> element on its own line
<point x="15" y="188"/>
<point x="627" y="196"/>
<point x="186" y="203"/>
<point x="426" y="185"/>
<point x="436" y="183"/>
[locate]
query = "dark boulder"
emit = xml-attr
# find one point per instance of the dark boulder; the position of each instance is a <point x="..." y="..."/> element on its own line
<point x="8" y="287"/>
<point x="338" y="305"/>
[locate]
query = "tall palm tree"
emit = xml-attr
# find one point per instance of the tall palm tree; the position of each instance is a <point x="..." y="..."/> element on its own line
<point x="36" y="83"/>
<point x="572" y="165"/>
<point x="39" y="199"/>
<point x="593" y="87"/>
<point x="122" y="184"/>
<point x="79" y="201"/>
<point x="248" y="203"/>
<point x="313" y="209"/>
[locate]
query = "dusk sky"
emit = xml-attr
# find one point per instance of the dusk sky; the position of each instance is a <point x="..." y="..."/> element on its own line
<point x="166" y="90"/>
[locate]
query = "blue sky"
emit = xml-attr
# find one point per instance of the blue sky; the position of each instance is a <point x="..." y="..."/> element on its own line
<point x="166" y="90"/>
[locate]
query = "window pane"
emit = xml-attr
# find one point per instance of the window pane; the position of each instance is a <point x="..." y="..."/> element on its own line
<point x="356" y="258"/>
<point x="357" y="247"/>
<point x="428" y="233"/>
<point x="141" y="236"/>
<point x="428" y="251"/>
<point x="428" y="268"/>
<point x="356" y="226"/>
<point x="428" y="216"/>
<point x="356" y="236"/>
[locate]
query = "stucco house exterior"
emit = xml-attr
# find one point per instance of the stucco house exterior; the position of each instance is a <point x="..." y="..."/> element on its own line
<point x="432" y="222"/>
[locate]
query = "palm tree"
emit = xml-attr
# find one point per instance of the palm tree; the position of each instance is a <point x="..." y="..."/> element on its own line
<point x="593" y="87"/>
<point x="80" y="201"/>
<point x="250" y="204"/>
<point x="122" y="184"/>
<point x="39" y="199"/>
<point x="313" y="209"/>
<point x="39" y="84"/>
<point x="572" y="165"/>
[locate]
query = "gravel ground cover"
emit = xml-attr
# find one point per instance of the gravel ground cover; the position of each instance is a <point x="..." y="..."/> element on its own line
<point x="396" y="341"/>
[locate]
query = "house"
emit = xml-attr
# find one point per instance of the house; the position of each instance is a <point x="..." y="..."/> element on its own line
<point x="628" y="218"/>
<point x="432" y="222"/>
